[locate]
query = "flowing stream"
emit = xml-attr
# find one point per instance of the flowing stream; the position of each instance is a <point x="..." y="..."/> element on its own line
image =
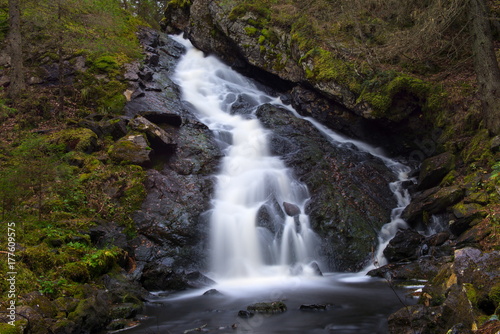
<point x="279" y="261"/>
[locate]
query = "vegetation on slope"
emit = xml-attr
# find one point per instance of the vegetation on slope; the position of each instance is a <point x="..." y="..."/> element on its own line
<point x="57" y="181"/>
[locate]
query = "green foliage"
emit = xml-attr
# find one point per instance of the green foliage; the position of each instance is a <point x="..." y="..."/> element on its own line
<point x="4" y="23"/>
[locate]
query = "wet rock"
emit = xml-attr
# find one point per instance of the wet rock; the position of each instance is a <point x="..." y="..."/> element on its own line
<point x="423" y="269"/>
<point x="245" y="314"/>
<point x="197" y="280"/>
<point x="157" y="277"/>
<point x="465" y="214"/>
<point x="267" y="307"/>
<point x="432" y="201"/>
<point x="214" y="292"/>
<point x="316" y="269"/>
<point x="434" y="169"/>
<point x="160" y="140"/>
<point x="404" y="246"/>
<point x="159" y="117"/>
<point x="350" y="197"/>
<point x="291" y="209"/>
<point x="312" y="307"/>
<point x="131" y="149"/>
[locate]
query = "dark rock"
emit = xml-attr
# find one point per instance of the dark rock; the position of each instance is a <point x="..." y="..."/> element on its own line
<point x="197" y="280"/>
<point x="104" y="126"/>
<point x="268" y="307"/>
<point x="422" y="269"/>
<point x="434" y="169"/>
<point x="465" y="214"/>
<point x="312" y="307"/>
<point x="350" y="197"/>
<point x="160" y="140"/>
<point x="245" y="314"/>
<point x="432" y="201"/>
<point x="404" y="246"/>
<point x="291" y="209"/>
<point x="495" y="144"/>
<point x="158" y="117"/>
<point x="316" y="269"/>
<point x="157" y="277"/>
<point x="214" y="292"/>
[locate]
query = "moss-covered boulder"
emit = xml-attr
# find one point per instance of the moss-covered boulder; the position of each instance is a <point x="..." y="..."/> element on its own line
<point x="434" y="169"/>
<point x="466" y="215"/>
<point x="159" y="138"/>
<point x="131" y="149"/>
<point x="75" y="139"/>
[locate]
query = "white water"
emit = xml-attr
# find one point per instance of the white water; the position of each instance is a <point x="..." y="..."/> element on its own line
<point x="250" y="179"/>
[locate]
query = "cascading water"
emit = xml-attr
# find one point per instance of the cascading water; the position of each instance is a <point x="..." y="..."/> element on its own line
<point x="250" y="181"/>
<point x="255" y="244"/>
<point x="402" y="195"/>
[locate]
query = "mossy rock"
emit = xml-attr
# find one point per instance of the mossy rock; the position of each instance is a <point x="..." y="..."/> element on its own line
<point x="494" y="295"/>
<point x="76" y="272"/>
<point x="131" y="149"/>
<point x="11" y="329"/>
<point x="268" y="307"/>
<point x="434" y="169"/>
<point x="478" y="150"/>
<point x="76" y="139"/>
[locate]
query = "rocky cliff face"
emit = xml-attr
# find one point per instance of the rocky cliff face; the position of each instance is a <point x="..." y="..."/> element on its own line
<point x="246" y="39"/>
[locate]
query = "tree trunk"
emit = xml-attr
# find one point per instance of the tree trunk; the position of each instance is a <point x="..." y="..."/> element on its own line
<point x="485" y="64"/>
<point x="17" y="84"/>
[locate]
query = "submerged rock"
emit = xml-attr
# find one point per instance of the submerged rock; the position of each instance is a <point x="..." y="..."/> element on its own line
<point x="313" y="307"/>
<point x="268" y="307"/>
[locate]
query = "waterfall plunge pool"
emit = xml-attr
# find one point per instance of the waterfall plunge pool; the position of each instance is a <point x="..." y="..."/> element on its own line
<point x="354" y="304"/>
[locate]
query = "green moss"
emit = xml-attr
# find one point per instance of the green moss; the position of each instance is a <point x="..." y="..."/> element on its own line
<point x="104" y="64"/>
<point x="260" y="8"/>
<point x="494" y="295"/>
<point x="252" y="31"/>
<point x="76" y="272"/>
<point x="180" y="3"/>
<point x="78" y="139"/>
<point x="449" y="179"/>
<point x="471" y="293"/>
<point x="478" y="150"/>
<point x="17" y="328"/>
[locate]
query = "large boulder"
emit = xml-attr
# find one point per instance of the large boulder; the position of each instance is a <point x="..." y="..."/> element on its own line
<point x="432" y="201"/>
<point x="434" y="169"/>
<point x="404" y="246"/>
<point x="350" y="196"/>
<point x="131" y="149"/>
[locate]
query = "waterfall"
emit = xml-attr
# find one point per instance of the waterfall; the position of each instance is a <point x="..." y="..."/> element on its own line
<point x="389" y="230"/>
<point x="251" y="234"/>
